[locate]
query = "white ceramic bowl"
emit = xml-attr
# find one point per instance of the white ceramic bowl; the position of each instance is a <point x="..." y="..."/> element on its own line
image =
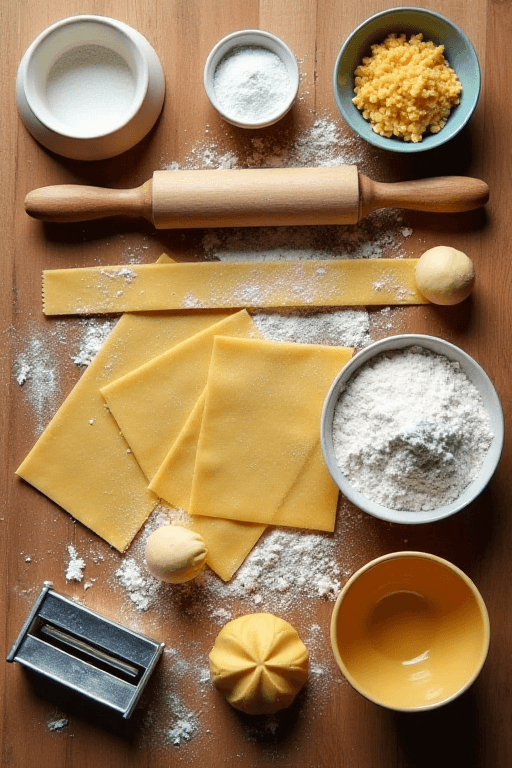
<point x="251" y="38"/>
<point x="476" y="375"/>
<point x="90" y="87"/>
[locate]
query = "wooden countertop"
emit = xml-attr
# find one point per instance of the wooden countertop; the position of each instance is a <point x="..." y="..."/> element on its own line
<point x="331" y="725"/>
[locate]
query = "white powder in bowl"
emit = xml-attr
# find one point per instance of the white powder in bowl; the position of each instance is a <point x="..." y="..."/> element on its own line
<point x="251" y="84"/>
<point x="410" y="430"/>
<point x="90" y="90"/>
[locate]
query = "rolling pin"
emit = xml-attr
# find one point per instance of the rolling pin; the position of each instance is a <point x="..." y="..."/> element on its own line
<point x="255" y="197"/>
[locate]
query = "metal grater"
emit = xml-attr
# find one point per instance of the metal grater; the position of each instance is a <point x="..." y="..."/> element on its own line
<point x="82" y="651"/>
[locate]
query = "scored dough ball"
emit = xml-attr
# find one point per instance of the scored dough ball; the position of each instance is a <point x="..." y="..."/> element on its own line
<point x="259" y="662"/>
<point x="175" y="553"/>
<point x="445" y="275"/>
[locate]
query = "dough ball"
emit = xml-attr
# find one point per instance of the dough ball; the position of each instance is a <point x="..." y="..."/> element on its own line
<point x="259" y="662"/>
<point x="445" y="275"/>
<point x="175" y="553"/>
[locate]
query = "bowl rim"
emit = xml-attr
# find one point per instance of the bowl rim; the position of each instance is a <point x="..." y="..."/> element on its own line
<point x="141" y="77"/>
<point x="232" y="40"/>
<point x="375" y="562"/>
<point x="472" y="369"/>
<point x="381" y="141"/>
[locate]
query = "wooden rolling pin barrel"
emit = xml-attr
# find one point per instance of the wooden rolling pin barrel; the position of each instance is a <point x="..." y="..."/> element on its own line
<point x="255" y="197"/>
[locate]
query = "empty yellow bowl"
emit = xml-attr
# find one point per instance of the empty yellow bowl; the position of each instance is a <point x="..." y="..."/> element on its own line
<point x="410" y="631"/>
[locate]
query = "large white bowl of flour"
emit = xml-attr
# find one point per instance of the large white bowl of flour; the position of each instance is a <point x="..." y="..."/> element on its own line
<point x="412" y="429"/>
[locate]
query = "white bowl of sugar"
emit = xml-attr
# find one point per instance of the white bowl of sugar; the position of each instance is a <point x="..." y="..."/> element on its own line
<point x="412" y="429"/>
<point x="251" y="78"/>
<point x="90" y="87"/>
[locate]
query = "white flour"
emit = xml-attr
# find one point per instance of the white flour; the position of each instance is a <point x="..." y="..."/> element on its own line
<point x="344" y="327"/>
<point x="286" y="568"/>
<point x="185" y="722"/>
<point x="76" y="565"/>
<point x="37" y="354"/>
<point x="90" y="89"/>
<point x="141" y="587"/>
<point x="94" y="333"/>
<point x="251" y="84"/>
<point x="36" y="372"/>
<point x="410" y="430"/>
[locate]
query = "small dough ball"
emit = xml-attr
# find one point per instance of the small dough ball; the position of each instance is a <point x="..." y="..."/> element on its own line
<point x="445" y="275"/>
<point x="175" y="553"/>
<point x="259" y="662"/>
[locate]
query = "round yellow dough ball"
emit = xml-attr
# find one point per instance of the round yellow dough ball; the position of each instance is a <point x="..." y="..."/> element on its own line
<point x="259" y="662"/>
<point x="175" y="553"/>
<point x="445" y="275"/>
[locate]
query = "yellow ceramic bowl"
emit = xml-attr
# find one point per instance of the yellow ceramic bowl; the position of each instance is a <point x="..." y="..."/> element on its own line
<point x="410" y="631"/>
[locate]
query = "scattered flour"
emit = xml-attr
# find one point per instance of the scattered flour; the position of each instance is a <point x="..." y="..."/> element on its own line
<point x="76" y="565"/>
<point x="36" y="371"/>
<point x="141" y="588"/>
<point x="344" y="327"/>
<point x="23" y="372"/>
<point x="94" y="333"/>
<point x="287" y="567"/>
<point x="38" y="351"/>
<point x="185" y="722"/>
<point x="57" y="725"/>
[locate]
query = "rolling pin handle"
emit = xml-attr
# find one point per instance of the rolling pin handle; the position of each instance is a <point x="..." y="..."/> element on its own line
<point x="442" y="194"/>
<point x="70" y="202"/>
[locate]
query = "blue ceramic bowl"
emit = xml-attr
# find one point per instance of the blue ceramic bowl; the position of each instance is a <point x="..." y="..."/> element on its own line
<point x="459" y="53"/>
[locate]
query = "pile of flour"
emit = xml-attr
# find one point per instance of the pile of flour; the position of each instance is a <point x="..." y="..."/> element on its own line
<point x="410" y="430"/>
<point x="251" y="84"/>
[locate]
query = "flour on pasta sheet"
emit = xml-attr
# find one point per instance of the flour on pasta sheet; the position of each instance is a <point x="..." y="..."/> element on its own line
<point x="410" y="430"/>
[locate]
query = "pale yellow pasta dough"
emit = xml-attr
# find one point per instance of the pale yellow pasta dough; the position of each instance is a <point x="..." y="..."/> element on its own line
<point x="259" y="458"/>
<point x="151" y="404"/>
<point x="173" y="480"/>
<point x="259" y="662"/>
<point x="81" y="460"/>
<point x="175" y="554"/>
<point x="445" y="275"/>
<point x="220" y="285"/>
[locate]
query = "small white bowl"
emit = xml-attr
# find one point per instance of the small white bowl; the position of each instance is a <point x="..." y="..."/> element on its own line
<point x="479" y="379"/>
<point x="243" y="39"/>
<point x="62" y="92"/>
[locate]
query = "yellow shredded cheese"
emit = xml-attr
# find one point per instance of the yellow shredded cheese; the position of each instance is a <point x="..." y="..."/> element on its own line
<point x="406" y="87"/>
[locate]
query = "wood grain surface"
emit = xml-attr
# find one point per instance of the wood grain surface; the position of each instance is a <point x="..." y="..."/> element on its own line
<point x="330" y="725"/>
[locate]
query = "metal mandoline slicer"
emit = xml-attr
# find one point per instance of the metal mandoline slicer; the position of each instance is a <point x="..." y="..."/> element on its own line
<point x="76" y="648"/>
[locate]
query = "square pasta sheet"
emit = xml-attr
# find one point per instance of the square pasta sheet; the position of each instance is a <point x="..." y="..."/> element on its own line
<point x="259" y="457"/>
